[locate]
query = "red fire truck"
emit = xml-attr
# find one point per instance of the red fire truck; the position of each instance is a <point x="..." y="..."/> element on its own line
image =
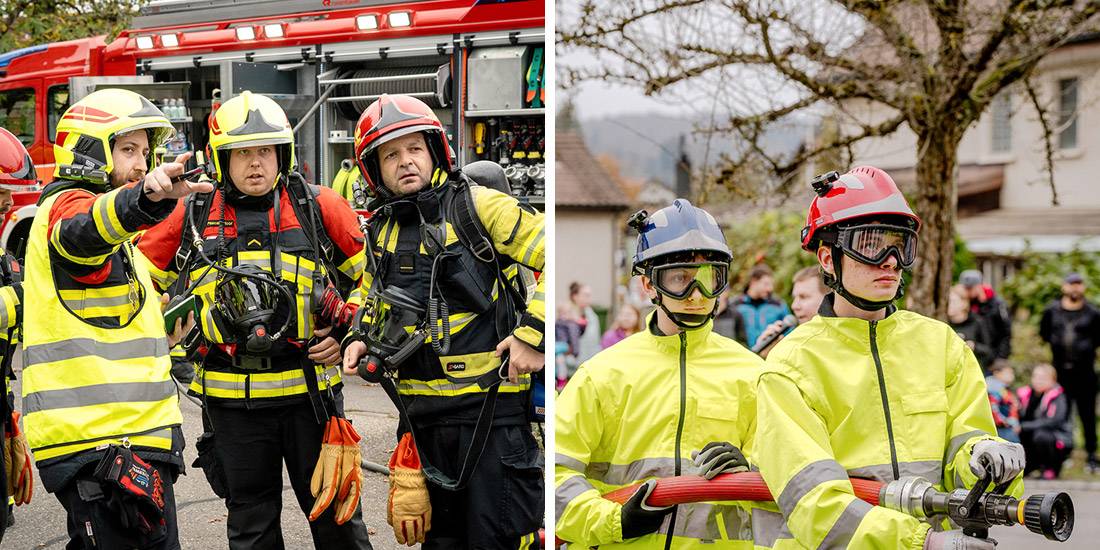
<point x="479" y="63"/>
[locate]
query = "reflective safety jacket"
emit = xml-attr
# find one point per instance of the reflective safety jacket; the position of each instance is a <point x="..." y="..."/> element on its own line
<point x="95" y="357"/>
<point x="251" y="235"/>
<point x="443" y="388"/>
<point x="844" y="397"/>
<point x="636" y="411"/>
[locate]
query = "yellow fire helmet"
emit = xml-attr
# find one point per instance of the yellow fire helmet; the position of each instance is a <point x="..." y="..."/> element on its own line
<point x="250" y="120"/>
<point x="86" y="132"/>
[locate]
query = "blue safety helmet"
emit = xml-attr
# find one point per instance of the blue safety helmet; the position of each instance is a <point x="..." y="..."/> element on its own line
<point x="677" y="228"/>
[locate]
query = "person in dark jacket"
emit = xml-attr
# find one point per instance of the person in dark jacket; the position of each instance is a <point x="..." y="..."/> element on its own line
<point x="728" y="321"/>
<point x="990" y="311"/>
<point x="1046" y="429"/>
<point x="1071" y="326"/>
<point x="975" y="333"/>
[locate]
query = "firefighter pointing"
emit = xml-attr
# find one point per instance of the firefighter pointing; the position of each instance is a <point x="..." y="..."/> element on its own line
<point x="100" y="408"/>
<point x="867" y="390"/>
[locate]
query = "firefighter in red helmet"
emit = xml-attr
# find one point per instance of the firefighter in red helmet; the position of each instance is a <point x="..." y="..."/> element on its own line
<point x="867" y="390"/>
<point x="16" y="175"/>
<point x="445" y="243"/>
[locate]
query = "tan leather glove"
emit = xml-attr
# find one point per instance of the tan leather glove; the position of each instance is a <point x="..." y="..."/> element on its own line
<point x="410" y="510"/>
<point x="326" y="475"/>
<point x="17" y="459"/>
<point x="351" y="474"/>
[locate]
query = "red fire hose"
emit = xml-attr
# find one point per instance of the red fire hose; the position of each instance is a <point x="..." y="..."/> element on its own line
<point x="746" y="486"/>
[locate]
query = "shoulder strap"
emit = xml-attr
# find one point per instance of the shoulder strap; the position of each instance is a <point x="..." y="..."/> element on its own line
<point x="195" y="207"/>
<point x="465" y="221"/>
<point x="303" y="198"/>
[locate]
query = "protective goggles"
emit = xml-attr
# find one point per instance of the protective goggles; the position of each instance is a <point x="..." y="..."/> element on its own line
<point x="872" y="243"/>
<point x="679" y="280"/>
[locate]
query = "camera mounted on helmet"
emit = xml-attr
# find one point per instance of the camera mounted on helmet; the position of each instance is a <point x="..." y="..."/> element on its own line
<point x="861" y="214"/>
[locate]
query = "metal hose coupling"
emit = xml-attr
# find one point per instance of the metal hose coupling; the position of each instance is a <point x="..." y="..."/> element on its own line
<point x="906" y="495"/>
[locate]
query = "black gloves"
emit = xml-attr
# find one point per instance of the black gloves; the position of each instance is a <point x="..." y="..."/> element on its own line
<point x="719" y="457"/>
<point x="639" y="519"/>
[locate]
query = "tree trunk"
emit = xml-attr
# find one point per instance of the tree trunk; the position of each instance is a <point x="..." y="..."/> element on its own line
<point x="936" y="198"/>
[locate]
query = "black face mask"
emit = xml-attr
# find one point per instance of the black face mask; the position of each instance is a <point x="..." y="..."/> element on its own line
<point x="247" y="305"/>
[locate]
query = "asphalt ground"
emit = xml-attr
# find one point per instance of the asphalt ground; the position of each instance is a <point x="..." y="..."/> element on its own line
<point x="202" y="515"/>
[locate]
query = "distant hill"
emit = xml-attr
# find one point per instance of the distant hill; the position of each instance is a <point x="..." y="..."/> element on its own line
<point x="646" y="145"/>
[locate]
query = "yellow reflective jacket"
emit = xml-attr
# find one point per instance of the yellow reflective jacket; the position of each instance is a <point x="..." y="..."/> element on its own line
<point x="96" y="369"/>
<point x="903" y="396"/>
<point x="636" y="411"/>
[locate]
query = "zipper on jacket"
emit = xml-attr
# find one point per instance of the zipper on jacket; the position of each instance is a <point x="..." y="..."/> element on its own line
<point x="885" y="401"/>
<point x="679" y="427"/>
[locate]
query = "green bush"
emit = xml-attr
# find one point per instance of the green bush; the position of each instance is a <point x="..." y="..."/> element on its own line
<point x="771" y="238"/>
<point x="1039" y="279"/>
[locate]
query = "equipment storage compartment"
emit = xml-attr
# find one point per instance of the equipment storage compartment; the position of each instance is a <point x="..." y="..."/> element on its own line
<point x="505" y="117"/>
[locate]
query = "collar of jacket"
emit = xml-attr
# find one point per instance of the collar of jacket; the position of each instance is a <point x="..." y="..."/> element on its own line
<point x="241" y="201"/>
<point x="853" y="328"/>
<point x="408" y="209"/>
<point x="695" y="337"/>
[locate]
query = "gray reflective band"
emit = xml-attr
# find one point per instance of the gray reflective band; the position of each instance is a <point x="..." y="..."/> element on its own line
<point x="3" y="315"/>
<point x="567" y="491"/>
<point x="931" y="470"/>
<point x="106" y="218"/>
<point x="841" y="533"/>
<point x="623" y="474"/>
<point x="768" y="527"/>
<point x="531" y="249"/>
<point x="99" y="394"/>
<point x="700" y="521"/>
<point x="569" y="462"/>
<point x="86" y="347"/>
<point x="957" y="442"/>
<point x="891" y="204"/>
<point x="84" y="303"/>
<point x="803" y="482"/>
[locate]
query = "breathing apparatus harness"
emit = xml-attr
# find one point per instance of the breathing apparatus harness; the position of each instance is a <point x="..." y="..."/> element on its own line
<point x="388" y="310"/>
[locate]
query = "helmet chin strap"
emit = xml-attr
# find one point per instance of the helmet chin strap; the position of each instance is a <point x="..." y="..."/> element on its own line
<point x="834" y="282"/>
<point x="686" y="321"/>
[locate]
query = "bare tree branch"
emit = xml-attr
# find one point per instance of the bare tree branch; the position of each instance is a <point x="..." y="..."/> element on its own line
<point x="1048" y="138"/>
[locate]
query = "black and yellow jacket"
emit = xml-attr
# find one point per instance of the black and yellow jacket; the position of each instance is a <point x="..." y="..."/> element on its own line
<point x="248" y="230"/>
<point x="443" y="388"/>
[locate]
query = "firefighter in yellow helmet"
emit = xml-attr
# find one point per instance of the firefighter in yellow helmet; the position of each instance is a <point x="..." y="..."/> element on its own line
<point x="100" y="409"/>
<point x="867" y="390"/>
<point x="267" y="374"/>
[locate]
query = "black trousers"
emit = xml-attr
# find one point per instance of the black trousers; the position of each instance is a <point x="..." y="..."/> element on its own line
<point x="251" y="445"/>
<point x="1080" y="383"/>
<point x="93" y="525"/>
<point x="1042" y="451"/>
<point x="502" y="504"/>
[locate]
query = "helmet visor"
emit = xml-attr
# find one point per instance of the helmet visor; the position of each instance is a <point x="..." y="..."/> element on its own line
<point x="679" y="280"/>
<point x="872" y="243"/>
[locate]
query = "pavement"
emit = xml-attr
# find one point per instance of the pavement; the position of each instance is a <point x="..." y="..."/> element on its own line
<point x="202" y="515"/>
